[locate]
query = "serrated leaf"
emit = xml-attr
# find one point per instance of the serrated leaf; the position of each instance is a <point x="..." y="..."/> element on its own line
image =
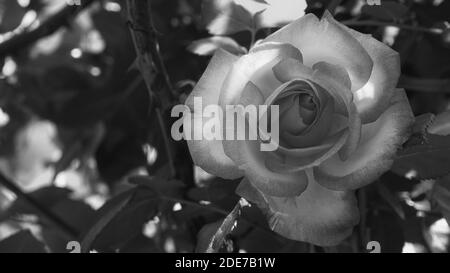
<point x="426" y="161"/>
<point x="420" y="130"/>
<point x="387" y="11"/>
<point x="208" y="46"/>
<point x="211" y="242"/>
<point x="22" y="242"/>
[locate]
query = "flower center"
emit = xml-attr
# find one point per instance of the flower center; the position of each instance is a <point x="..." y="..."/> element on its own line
<point x="298" y="110"/>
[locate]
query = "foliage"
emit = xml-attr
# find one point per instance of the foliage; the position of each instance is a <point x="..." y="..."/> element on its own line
<point x="122" y="185"/>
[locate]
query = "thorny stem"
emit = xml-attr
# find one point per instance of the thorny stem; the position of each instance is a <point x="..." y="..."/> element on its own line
<point x="148" y="58"/>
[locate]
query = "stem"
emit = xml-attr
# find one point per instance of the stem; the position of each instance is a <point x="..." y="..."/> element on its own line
<point x="149" y="58"/>
<point x="48" y="27"/>
<point x="162" y="127"/>
<point x="385" y="24"/>
<point x="44" y="211"/>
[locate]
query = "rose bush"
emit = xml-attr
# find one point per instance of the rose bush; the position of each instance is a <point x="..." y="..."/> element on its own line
<point x="341" y="122"/>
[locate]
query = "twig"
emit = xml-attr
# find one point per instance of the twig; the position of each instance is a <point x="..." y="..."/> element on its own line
<point x="386" y="24"/>
<point x="149" y="58"/>
<point x="52" y="24"/>
<point x="44" y="211"/>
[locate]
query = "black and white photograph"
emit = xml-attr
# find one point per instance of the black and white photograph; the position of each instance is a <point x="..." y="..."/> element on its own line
<point x="245" y="128"/>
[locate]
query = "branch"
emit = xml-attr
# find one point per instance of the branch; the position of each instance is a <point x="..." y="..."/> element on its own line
<point x="48" y="27"/>
<point x="44" y="211"/>
<point x="385" y="24"/>
<point x="149" y="59"/>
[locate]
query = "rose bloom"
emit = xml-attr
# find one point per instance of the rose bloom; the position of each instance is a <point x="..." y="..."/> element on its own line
<point x="341" y="121"/>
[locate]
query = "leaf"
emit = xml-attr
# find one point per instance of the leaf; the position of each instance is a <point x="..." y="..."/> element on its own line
<point x="168" y="188"/>
<point x="48" y="197"/>
<point x="420" y="130"/>
<point x="77" y="214"/>
<point x="211" y="242"/>
<point x="441" y="124"/>
<point x="22" y="242"/>
<point x="128" y="222"/>
<point x="208" y="46"/>
<point x="391" y="199"/>
<point x="214" y="190"/>
<point x="224" y="17"/>
<point x="441" y="194"/>
<point x="426" y="161"/>
<point x="280" y="12"/>
<point x="107" y="213"/>
<point x="161" y="183"/>
<point x="387" y="11"/>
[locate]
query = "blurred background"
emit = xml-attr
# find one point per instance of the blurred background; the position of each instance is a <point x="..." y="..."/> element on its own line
<point x="78" y="135"/>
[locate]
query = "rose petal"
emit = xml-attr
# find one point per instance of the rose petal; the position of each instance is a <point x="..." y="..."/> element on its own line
<point x="302" y="159"/>
<point x="318" y="216"/>
<point x="290" y="69"/>
<point x="209" y="85"/>
<point x="257" y="68"/>
<point x="375" y="154"/>
<point x="251" y="95"/>
<point x="249" y="158"/>
<point x="334" y="72"/>
<point x="316" y="133"/>
<point x="326" y="40"/>
<point x="355" y="127"/>
<point x="373" y="98"/>
<point x="209" y="154"/>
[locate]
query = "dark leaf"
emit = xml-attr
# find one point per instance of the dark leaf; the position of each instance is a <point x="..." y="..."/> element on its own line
<point x="387" y="11"/>
<point x="106" y="214"/>
<point x="22" y="242"/>
<point x="47" y="197"/>
<point x="78" y="215"/>
<point x="161" y="187"/>
<point x="441" y="194"/>
<point x="424" y="84"/>
<point x="420" y="129"/>
<point x="426" y="161"/>
<point x="129" y="220"/>
<point x="391" y="199"/>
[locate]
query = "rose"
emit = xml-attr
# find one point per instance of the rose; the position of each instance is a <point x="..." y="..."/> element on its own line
<point x="341" y="121"/>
